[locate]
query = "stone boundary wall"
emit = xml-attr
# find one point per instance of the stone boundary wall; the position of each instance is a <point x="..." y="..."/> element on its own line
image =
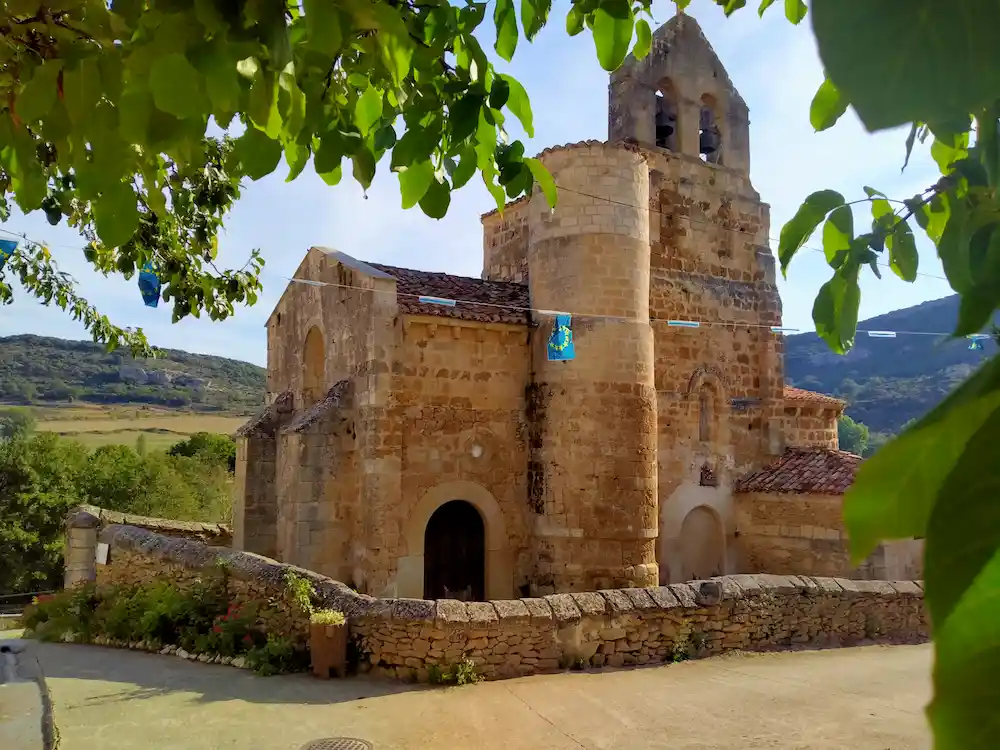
<point x="412" y="638"/>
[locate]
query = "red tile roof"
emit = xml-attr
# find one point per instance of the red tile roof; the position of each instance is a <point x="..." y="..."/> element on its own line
<point x="496" y="298"/>
<point x="819" y="471"/>
<point x="799" y="394"/>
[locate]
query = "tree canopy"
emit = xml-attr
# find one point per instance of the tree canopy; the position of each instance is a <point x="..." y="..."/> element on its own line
<point x="109" y="108"/>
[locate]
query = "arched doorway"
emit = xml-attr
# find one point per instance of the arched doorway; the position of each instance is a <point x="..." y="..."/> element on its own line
<point x="455" y="553"/>
<point x="702" y="545"/>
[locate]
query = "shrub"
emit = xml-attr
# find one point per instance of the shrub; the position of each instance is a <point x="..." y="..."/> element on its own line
<point x="327" y="617"/>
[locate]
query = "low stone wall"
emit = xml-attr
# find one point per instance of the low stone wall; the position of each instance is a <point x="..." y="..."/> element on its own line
<point x="215" y="534"/>
<point x="413" y="638"/>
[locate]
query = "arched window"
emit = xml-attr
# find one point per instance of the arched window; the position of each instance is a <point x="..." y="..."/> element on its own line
<point x="705" y="413"/>
<point x="709" y="134"/>
<point x="666" y="117"/>
<point x="313" y="367"/>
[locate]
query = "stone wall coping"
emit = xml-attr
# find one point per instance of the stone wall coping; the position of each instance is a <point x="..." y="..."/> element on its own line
<point x="90" y="516"/>
<point x="559" y="609"/>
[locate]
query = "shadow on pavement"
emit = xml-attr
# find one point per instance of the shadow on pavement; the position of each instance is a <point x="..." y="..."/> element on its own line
<point x="143" y="675"/>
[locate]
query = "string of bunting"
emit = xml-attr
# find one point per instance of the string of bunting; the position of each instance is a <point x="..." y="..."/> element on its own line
<point x="562" y="334"/>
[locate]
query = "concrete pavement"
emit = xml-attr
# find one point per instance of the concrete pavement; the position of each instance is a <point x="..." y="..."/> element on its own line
<point x="861" y="698"/>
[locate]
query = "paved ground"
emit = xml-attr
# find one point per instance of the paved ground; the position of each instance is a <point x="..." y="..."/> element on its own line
<point x="864" y="698"/>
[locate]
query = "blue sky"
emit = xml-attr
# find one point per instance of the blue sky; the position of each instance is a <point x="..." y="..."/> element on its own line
<point x="774" y="65"/>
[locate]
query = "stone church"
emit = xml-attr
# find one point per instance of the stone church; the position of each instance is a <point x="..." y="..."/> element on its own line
<point x="420" y="439"/>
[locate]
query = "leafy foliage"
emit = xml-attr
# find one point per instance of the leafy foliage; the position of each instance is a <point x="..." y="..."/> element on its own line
<point x="107" y="109"/>
<point x="935" y="66"/>
<point x="42" y="476"/>
<point x="199" y="617"/>
<point x="218" y="450"/>
<point x="15" y="422"/>
<point x="852" y="436"/>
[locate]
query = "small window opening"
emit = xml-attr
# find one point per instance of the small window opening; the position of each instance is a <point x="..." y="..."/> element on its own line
<point x="666" y="122"/>
<point x="704" y="414"/>
<point x="709" y="135"/>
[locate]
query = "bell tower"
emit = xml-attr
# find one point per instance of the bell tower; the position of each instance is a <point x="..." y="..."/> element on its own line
<point x="679" y="98"/>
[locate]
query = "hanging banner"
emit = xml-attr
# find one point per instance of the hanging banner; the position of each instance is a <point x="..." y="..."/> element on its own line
<point x="7" y="248"/>
<point x="149" y="285"/>
<point x="561" y="345"/>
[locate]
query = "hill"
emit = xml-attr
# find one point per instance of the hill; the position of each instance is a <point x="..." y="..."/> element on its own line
<point x="888" y="381"/>
<point x="43" y="371"/>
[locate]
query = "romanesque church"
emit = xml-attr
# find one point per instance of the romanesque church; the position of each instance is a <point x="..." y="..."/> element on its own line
<point x="604" y="408"/>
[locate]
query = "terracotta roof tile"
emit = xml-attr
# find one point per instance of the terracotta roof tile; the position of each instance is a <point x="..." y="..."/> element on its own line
<point x="820" y="471"/>
<point x="799" y="394"/>
<point x="496" y="297"/>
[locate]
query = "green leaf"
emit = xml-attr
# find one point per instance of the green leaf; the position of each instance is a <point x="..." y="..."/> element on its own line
<point x="946" y="153"/>
<point x="134" y="108"/>
<point x="544" y="180"/>
<point x="82" y="89"/>
<point x="877" y="54"/>
<point x="39" y="94"/>
<point x="364" y="166"/>
<point x="613" y="25"/>
<point x="436" y="200"/>
<point x="574" y="21"/>
<point x="838" y="234"/>
<point x="465" y="169"/>
<point x="222" y="83"/>
<point x="534" y="15"/>
<point x="963" y="712"/>
<point x="297" y="156"/>
<point x="258" y="155"/>
<point x="795" y="10"/>
<point x="116" y="216"/>
<point x="394" y="41"/>
<point x="643" y="39"/>
<point x="895" y="490"/>
<point x="505" y="21"/>
<point x="978" y="303"/>
<point x="801" y="226"/>
<point x="827" y="106"/>
<point x="323" y="26"/>
<point x="414" y="181"/>
<point x="368" y="110"/>
<point x="499" y="93"/>
<point x="519" y="105"/>
<point x="764" y="5"/>
<point x="333" y="177"/>
<point x="903" y="256"/>
<point x="177" y="87"/>
<point x="835" y="311"/>
<point x="263" y="105"/>
<point x="910" y="140"/>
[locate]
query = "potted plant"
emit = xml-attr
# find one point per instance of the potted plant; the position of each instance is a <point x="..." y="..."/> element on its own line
<point x="328" y="643"/>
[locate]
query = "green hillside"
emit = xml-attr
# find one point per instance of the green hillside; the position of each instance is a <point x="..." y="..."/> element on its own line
<point x="888" y="381"/>
<point x="38" y="371"/>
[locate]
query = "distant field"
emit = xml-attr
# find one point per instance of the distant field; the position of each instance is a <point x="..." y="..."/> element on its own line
<point x="95" y="426"/>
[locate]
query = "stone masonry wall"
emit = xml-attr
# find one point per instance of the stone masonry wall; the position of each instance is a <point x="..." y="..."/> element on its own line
<point x="811" y="427"/>
<point x="505" y="243"/>
<point x="410" y="638"/>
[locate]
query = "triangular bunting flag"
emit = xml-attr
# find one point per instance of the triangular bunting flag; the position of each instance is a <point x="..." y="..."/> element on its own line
<point x="149" y="285"/>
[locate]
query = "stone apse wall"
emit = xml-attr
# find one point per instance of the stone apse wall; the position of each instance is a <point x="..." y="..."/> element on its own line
<point x="405" y="638"/>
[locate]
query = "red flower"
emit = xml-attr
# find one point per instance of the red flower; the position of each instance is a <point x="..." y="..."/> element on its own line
<point x="217" y="629"/>
<point x="247" y="638"/>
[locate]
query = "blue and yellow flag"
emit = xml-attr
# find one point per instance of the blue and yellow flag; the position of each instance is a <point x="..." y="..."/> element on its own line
<point x="561" y="345"/>
<point x="149" y="285"/>
<point x="7" y="248"/>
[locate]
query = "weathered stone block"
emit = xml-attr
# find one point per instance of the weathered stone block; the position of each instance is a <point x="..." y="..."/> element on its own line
<point x="618" y="602"/>
<point x="450" y="612"/>
<point x="684" y="594"/>
<point x="511" y="611"/>
<point x="663" y="597"/>
<point x="481" y="614"/>
<point x="414" y="610"/>
<point x="591" y="604"/>
<point x="564" y="609"/>
<point x="907" y="587"/>
<point x="539" y="610"/>
<point x="640" y="598"/>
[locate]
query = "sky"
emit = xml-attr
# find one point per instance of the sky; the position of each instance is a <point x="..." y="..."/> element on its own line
<point x="773" y="64"/>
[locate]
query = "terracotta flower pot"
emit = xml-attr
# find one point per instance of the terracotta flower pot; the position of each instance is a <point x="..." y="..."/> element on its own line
<point x="328" y="647"/>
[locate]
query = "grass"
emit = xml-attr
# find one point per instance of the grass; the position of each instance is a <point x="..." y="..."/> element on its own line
<point x="95" y="425"/>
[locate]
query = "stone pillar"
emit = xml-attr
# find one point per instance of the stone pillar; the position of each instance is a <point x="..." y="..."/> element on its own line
<point x="81" y="548"/>
<point x="593" y="463"/>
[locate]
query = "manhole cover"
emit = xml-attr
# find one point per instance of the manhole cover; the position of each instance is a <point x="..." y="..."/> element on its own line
<point x="338" y="743"/>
